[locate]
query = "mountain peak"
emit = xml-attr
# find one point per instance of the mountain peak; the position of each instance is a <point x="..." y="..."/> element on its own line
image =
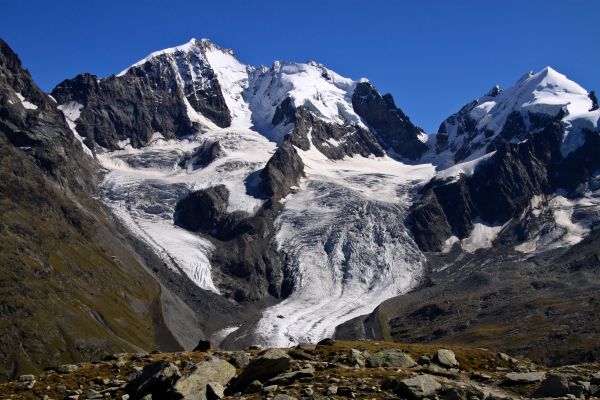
<point x="192" y="46"/>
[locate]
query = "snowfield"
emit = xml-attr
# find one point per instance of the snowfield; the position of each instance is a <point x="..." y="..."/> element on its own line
<point x="344" y="232"/>
<point x="144" y="185"/>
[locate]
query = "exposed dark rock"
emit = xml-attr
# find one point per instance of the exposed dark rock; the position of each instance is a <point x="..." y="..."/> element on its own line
<point x="202" y="156"/>
<point x="156" y="379"/>
<point x="594" y="99"/>
<point x="501" y="187"/>
<point x="202" y="210"/>
<point x="334" y="140"/>
<point x="282" y="171"/>
<point x="146" y="99"/>
<point x="418" y="387"/>
<point x="326" y="342"/>
<point x="553" y="386"/>
<point x="264" y="367"/>
<point x="203" y="345"/>
<point x="392" y="126"/>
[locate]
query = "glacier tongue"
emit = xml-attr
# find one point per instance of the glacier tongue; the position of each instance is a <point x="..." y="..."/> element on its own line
<point x="344" y="233"/>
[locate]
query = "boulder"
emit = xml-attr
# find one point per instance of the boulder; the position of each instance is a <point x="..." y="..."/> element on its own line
<point x="194" y="384"/>
<point x="214" y="391"/>
<point x="446" y="358"/>
<point x="525" y="377"/>
<point x="418" y="387"/>
<point x="264" y="367"/>
<point x="395" y="358"/>
<point x="326" y="342"/>
<point x="203" y="345"/>
<point x="281" y="396"/>
<point x="156" y="380"/>
<point x="240" y="359"/>
<point x="67" y="368"/>
<point x="288" y="378"/>
<point x="553" y="386"/>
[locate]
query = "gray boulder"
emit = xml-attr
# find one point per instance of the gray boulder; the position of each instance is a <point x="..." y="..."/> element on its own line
<point x="553" y="386"/>
<point x="525" y="377"/>
<point x="446" y="358"/>
<point x="156" y="380"/>
<point x="418" y="387"/>
<point x="289" y="377"/>
<point x="240" y="359"/>
<point x="264" y="367"/>
<point x="395" y="358"/>
<point x="194" y="384"/>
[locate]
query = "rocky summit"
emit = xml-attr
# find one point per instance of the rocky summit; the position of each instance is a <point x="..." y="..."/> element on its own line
<point x="197" y="227"/>
<point x="332" y="371"/>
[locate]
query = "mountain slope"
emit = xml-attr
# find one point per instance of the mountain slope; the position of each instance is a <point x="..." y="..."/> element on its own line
<point x="72" y="287"/>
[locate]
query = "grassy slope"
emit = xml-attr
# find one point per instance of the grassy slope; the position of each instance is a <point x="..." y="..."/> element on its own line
<point x="69" y="289"/>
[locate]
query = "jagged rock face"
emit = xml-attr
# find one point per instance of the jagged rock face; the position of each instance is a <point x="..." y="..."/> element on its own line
<point x="132" y="108"/>
<point x="151" y="97"/>
<point x="336" y="141"/>
<point x="502" y="187"/>
<point x="202" y="210"/>
<point x="283" y="171"/>
<point x="392" y="126"/>
<point x="30" y="121"/>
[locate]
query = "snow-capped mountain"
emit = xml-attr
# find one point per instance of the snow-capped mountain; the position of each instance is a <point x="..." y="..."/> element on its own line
<point x="530" y="147"/>
<point x="509" y="115"/>
<point x="191" y="129"/>
<point x="307" y="198"/>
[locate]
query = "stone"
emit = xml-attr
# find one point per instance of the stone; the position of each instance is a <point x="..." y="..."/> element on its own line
<point x="203" y="345"/>
<point x="194" y="384"/>
<point x="264" y="367"/>
<point x="446" y="358"/>
<point x="395" y="358"/>
<point x="306" y="346"/>
<point x="331" y="390"/>
<point x="254" y="387"/>
<point x="281" y="396"/>
<point x="357" y="358"/>
<point x="67" y="368"/>
<point x="214" y="391"/>
<point x="26" y="378"/>
<point x="326" y="342"/>
<point x="418" y="387"/>
<point x="290" y="377"/>
<point x="156" y="379"/>
<point x="460" y="393"/>
<point x="239" y="359"/>
<point x="91" y="394"/>
<point x="525" y="377"/>
<point x="269" y="389"/>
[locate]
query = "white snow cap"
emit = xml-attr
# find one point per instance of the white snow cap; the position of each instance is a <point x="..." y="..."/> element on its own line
<point x="253" y="94"/>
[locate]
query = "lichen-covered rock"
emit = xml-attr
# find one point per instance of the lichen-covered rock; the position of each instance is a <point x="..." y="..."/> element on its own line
<point x="391" y="358"/>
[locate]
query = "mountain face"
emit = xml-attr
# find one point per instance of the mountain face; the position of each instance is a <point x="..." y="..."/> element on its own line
<point x="72" y="287"/>
<point x="270" y="205"/>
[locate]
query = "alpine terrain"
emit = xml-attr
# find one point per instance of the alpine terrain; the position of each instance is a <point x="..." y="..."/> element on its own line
<point x="193" y="197"/>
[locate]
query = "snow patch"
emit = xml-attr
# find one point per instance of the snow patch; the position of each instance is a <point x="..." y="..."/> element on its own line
<point x="27" y="104"/>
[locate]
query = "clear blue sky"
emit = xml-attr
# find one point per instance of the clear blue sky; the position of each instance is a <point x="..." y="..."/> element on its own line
<point x="433" y="56"/>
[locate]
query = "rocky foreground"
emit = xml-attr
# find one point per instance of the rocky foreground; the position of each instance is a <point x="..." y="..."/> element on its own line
<point x="328" y="370"/>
